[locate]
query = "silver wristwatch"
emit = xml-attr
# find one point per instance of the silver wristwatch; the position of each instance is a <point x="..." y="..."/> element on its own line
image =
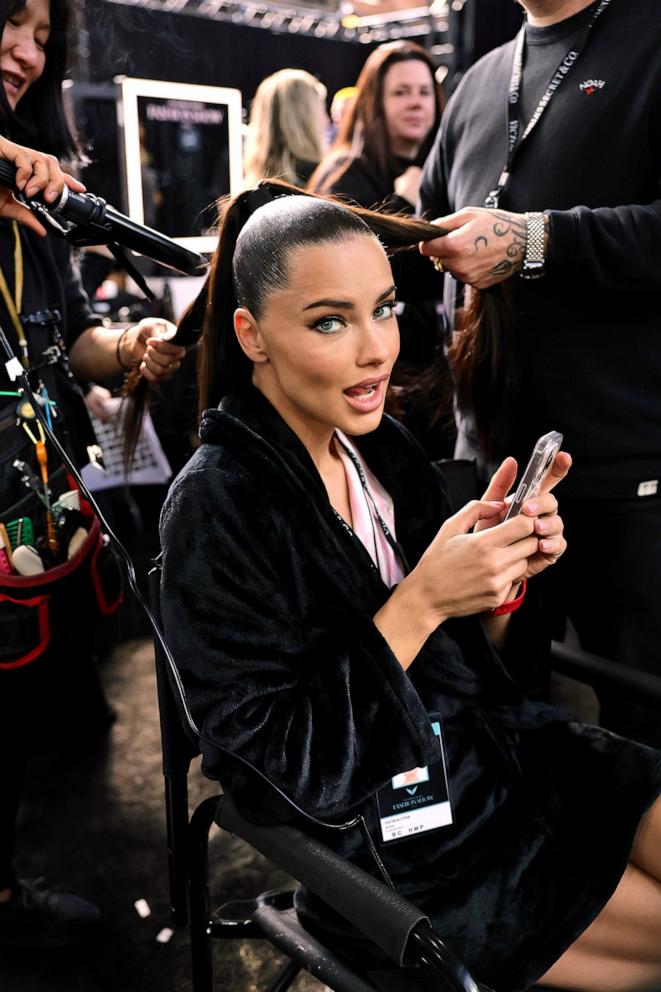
<point x="534" y="260"/>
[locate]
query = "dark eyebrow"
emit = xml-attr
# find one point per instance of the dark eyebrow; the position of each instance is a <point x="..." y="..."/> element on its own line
<point x="345" y="304"/>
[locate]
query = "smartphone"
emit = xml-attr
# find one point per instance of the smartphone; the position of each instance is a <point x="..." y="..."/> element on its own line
<point x="536" y="471"/>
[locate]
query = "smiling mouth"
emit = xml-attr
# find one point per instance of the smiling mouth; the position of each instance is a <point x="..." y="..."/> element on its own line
<point x="14" y="81"/>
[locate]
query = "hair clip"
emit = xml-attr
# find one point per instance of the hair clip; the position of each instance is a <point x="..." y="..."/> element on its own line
<point x="252" y="200"/>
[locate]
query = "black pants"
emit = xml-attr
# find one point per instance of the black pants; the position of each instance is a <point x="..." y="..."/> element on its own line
<point x="44" y="707"/>
<point x="609" y="584"/>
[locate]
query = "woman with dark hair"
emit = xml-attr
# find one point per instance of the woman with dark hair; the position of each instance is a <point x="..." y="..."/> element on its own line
<point x="386" y="136"/>
<point x="336" y="629"/>
<point x="53" y="332"/>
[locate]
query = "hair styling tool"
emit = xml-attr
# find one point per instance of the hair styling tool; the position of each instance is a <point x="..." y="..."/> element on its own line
<point x="42" y="457"/>
<point x="20" y="531"/>
<point x="27" y="560"/>
<point x="5" y="551"/>
<point x="88" y="220"/>
<point x="29" y="479"/>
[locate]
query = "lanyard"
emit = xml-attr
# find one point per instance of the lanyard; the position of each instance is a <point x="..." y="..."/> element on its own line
<point x="514" y="137"/>
<point x="15" y="303"/>
<point x="374" y="510"/>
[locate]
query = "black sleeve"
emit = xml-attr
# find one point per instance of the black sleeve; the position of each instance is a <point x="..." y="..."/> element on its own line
<point x="79" y="314"/>
<point x="433" y="200"/>
<point x="323" y="709"/>
<point x="616" y="248"/>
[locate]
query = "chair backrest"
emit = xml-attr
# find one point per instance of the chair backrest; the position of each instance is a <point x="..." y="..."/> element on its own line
<point x="178" y="750"/>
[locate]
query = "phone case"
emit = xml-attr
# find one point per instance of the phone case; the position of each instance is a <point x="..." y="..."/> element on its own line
<point x="536" y="471"/>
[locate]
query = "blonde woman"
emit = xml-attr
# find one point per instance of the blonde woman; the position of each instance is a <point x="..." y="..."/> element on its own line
<point x="288" y="127"/>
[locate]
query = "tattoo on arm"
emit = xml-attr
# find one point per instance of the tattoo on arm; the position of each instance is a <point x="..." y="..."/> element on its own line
<point x="507" y="226"/>
<point x="481" y="240"/>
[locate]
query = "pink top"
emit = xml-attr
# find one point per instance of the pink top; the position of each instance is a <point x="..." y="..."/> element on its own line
<point x="366" y="507"/>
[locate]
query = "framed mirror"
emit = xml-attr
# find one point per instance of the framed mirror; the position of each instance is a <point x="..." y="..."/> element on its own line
<point x="182" y="149"/>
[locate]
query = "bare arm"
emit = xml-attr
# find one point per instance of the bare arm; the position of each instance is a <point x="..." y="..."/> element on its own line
<point x="100" y="352"/>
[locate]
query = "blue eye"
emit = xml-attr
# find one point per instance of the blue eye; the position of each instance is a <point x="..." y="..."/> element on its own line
<point x="328" y="325"/>
<point x="385" y="310"/>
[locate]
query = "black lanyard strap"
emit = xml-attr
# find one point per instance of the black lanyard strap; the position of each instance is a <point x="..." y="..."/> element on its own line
<point x="514" y="136"/>
<point x="373" y="510"/>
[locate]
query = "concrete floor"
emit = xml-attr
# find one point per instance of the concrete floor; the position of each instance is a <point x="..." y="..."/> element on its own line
<point x="93" y="823"/>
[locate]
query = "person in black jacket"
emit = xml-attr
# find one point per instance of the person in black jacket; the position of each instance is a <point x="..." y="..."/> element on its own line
<point x="50" y="326"/>
<point x="336" y="629"/>
<point x="569" y="149"/>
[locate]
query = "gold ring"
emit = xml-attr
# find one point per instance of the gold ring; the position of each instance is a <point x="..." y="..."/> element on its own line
<point x="437" y="263"/>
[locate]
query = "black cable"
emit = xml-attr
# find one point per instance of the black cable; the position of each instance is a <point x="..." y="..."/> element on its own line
<point x="16" y="371"/>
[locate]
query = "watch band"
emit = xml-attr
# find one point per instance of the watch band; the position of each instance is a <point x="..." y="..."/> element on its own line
<point x="534" y="258"/>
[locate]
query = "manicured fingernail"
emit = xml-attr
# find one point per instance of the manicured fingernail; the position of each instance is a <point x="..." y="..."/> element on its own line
<point x="546" y="545"/>
<point x="542" y="527"/>
<point x="531" y="507"/>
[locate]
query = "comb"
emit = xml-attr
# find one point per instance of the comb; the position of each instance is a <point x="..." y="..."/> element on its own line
<point x="20" y="531"/>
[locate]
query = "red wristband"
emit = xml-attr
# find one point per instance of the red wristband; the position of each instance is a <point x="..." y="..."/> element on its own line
<point x="505" y="608"/>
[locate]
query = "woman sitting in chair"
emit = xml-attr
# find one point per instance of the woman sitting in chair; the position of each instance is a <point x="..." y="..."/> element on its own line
<point x="335" y="628"/>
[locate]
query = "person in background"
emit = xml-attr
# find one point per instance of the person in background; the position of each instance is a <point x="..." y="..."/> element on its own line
<point x="340" y="107"/>
<point x="539" y="198"/>
<point x="44" y="311"/>
<point x="287" y="130"/>
<point x="388" y="130"/>
<point x="335" y="627"/>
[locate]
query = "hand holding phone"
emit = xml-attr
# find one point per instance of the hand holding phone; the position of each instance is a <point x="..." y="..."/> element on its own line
<point x="539" y="466"/>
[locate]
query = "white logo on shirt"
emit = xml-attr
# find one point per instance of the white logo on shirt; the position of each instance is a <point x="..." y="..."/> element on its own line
<point x="590" y="85"/>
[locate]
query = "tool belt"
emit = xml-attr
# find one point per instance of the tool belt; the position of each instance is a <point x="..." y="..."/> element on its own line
<point x="40" y="612"/>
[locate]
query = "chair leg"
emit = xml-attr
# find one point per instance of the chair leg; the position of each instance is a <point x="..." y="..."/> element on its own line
<point x="198" y="895"/>
<point x="284" y="977"/>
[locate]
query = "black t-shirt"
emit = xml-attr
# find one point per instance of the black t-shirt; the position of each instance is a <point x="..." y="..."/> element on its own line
<point x="550" y="45"/>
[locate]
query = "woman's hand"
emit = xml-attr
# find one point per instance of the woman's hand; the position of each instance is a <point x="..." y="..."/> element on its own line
<point x="465" y="571"/>
<point x="408" y="184"/>
<point x="35" y="172"/>
<point x="99" y="402"/>
<point x="543" y="508"/>
<point x="548" y="523"/>
<point x="147" y="345"/>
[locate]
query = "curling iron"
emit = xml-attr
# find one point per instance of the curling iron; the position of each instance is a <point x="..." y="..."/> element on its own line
<point x="85" y="219"/>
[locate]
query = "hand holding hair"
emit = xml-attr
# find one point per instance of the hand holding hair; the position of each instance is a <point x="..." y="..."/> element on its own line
<point x="483" y="247"/>
<point x="146" y="347"/>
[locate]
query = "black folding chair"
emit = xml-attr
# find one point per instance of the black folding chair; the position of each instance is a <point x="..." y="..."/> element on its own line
<point x="394" y="925"/>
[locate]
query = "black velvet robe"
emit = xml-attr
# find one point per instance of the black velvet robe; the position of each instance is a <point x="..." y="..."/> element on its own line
<point x="267" y="603"/>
